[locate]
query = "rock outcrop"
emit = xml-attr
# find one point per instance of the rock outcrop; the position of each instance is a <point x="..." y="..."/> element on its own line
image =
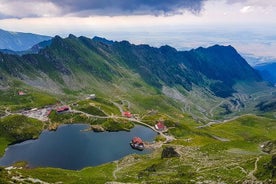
<point x="169" y="152"/>
<point x="269" y="147"/>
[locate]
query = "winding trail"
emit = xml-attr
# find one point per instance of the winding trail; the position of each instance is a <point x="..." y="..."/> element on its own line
<point x="90" y="115"/>
<point x="221" y="122"/>
<point x="7" y="113"/>
<point x="116" y="170"/>
<point x="118" y="106"/>
<point x="216" y="106"/>
<point x="251" y="173"/>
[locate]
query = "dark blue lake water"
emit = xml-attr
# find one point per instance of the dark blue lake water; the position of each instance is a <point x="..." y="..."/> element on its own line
<point x="71" y="148"/>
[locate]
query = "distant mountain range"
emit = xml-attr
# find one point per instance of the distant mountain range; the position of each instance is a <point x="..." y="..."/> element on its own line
<point x="17" y="41"/>
<point x="267" y="71"/>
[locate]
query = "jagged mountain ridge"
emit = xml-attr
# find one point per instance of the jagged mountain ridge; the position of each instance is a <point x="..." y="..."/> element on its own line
<point x="216" y="68"/>
<point x="223" y="65"/>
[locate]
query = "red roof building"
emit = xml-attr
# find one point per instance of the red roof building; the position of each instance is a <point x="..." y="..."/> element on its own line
<point x="62" y="109"/>
<point x="21" y="93"/>
<point x="160" y="126"/>
<point x="48" y="112"/>
<point x="137" y="143"/>
<point x="137" y="140"/>
<point x="127" y="114"/>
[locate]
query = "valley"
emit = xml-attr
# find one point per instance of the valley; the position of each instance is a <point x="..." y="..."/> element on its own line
<point x="221" y="148"/>
<point x="219" y="113"/>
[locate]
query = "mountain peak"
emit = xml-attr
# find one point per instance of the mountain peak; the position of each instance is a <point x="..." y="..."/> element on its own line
<point x="167" y="48"/>
<point x="57" y="37"/>
<point x="57" y="40"/>
<point x="102" y="40"/>
<point x="217" y="47"/>
<point x="71" y="36"/>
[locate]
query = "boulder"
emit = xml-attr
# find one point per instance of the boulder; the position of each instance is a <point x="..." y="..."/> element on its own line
<point x="269" y="147"/>
<point x="97" y="128"/>
<point x="169" y="152"/>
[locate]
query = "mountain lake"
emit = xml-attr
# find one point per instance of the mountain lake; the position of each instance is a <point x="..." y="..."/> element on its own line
<point x="70" y="147"/>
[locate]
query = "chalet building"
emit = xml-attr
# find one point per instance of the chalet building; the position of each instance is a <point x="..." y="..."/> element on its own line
<point x="91" y="97"/>
<point x="62" y="109"/>
<point x="21" y="93"/>
<point x="127" y="114"/>
<point x="137" y="143"/>
<point x="160" y="126"/>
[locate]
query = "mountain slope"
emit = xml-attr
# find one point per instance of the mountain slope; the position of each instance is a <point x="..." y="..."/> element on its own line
<point x="196" y="80"/>
<point x="267" y="71"/>
<point x="221" y="65"/>
<point x="17" y="41"/>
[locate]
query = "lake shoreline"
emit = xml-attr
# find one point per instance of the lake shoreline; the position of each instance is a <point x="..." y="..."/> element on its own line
<point x="74" y="143"/>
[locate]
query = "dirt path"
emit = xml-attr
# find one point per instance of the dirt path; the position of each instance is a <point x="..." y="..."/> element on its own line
<point x="220" y="138"/>
<point x="221" y="122"/>
<point x="127" y="103"/>
<point x="7" y="113"/>
<point x="118" y="106"/>
<point x="251" y="173"/>
<point x="90" y="115"/>
<point x="116" y="170"/>
<point x="212" y="109"/>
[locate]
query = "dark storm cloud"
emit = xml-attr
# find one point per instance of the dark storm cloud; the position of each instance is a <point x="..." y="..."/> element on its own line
<point x="83" y="8"/>
<point x="128" y="7"/>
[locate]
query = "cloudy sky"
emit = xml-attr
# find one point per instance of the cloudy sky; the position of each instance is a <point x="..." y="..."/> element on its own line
<point x="248" y="25"/>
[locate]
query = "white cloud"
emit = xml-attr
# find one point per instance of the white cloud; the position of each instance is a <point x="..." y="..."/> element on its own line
<point x="28" y="8"/>
<point x="260" y="3"/>
<point x="247" y="9"/>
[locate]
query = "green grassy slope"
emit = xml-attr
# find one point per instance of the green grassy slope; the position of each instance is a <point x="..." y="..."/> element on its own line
<point x="17" y="128"/>
<point x="225" y="153"/>
<point x="12" y="101"/>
